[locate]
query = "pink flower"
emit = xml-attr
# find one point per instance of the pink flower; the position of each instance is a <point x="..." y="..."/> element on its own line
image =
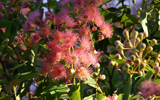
<point x="1" y="6"/>
<point x="69" y="21"/>
<point x="57" y="72"/>
<point x="99" y="20"/>
<point x="85" y="43"/>
<point x="158" y="89"/>
<point x="147" y="88"/>
<point x="84" y="31"/>
<point x="58" y="35"/>
<point x="25" y="4"/>
<point x="114" y="97"/>
<point x="33" y="15"/>
<point x="24" y="11"/>
<point x="85" y="16"/>
<point x="64" y="2"/>
<point x="35" y="38"/>
<point x="106" y="30"/>
<point x="46" y="67"/>
<point x="27" y="26"/>
<point x="83" y="72"/>
<point x="45" y="31"/>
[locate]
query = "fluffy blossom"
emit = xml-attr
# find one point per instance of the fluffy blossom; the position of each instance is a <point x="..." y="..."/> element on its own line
<point x="106" y="30"/>
<point x="114" y="97"/>
<point x="83" y="72"/>
<point x="158" y="89"/>
<point x="57" y="72"/>
<point x="147" y="88"/>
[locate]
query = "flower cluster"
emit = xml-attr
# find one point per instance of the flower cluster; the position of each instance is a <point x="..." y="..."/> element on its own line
<point x="70" y="44"/>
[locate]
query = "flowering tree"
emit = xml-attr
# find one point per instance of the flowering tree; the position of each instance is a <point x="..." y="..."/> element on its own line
<point x="80" y="50"/>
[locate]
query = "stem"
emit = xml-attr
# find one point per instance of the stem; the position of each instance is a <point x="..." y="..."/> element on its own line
<point x="14" y="87"/>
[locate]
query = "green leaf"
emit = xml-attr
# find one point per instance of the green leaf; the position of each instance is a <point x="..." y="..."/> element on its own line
<point x="127" y="89"/>
<point x="26" y="88"/>
<point x="38" y="5"/>
<point x="29" y="76"/>
<point x="144" y="16"/>
<point x="148" y="76"/>
<point x="76" y="92"/>
<point x="4" y="81"/>
<point x="1" y="71"/>
<point x="100" y="96"/>
<point x="135" y="97"/>
<point x="14" y="82"/>
<point x="34" y="51"/>
<point x="6" y="23"/>
<point x="120" y="96"/>
<point x="157" y="34"/>
<point x="6" y="97"/>
<point x="113" y="59"/>
<point x="19" y="65"/>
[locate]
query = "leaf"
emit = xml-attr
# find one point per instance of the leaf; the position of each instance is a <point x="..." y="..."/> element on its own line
<point x="34" y="51"/>
<point x="76" y="92"/>
<point x="91" y="82"/>
<point x="144" y="23"/>
<point x="4" y="81"/>
<point x="120" y="96"/>
<point x="113" y="59"/>
<point x="6" y="97"/>
<point x="100" y="96"/>
<point x="14" y="82"/>
<point x="29" y="76"/>
<point x="1" y="71"/>
<point x="157" y="34"/>
<point x="6" y="24"/>
<point x="127" y="89"/>
<point x="148" y="76"/>
<point x="38" y="5"/>
<point x="135" y="97"/>
<point x="26" y="88"/>
<point x="19" y="65"/>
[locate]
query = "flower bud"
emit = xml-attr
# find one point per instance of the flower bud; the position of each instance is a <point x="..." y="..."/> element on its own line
<point x="94" y="28"/>
<point x="140" y="73"/>
<point x="10" y="60"/>
<point x="118" y="56"/>
<point x="154" y="41"/>
<point x="79" y="23"/>
<point x="101" y="37"/>
<point x="149" y="49"/>
<point x="145" y="35"/>
<point x="140" y="9"/>
<point x="97" y="70"/>
<point x="133" y="57"/>
<point x="137" y="61"/>
<point x="142" y="46"/>
<point x="104" y="87"/>
<point x="16" y="39"/>
<point x="134" y="2"/>
<point x="138" y="40"/>
<point x="97" y="65"/>
<point x="6" y="40"/>
<point x="117" y="42"/>
<point x="141" y="36"/>
<point x="143" y="65"/>
<point x="112" y="63"/>
<point x="129" y="44"/>
<point x="133" y="50"/>
<point x="135" y="34"/>
<point x="126" y="34"/>
<point x="102" y="77"/>
<point x="152" y="6"/>
<point x="157" y="69"/>
<point x="126" y="66"/>
<point x="76" y="10"/>
<point x="118" y="47"/>
<point x="89" y="91"/>
<point x="72" y="71"/>
<point x="95" y="74"/>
